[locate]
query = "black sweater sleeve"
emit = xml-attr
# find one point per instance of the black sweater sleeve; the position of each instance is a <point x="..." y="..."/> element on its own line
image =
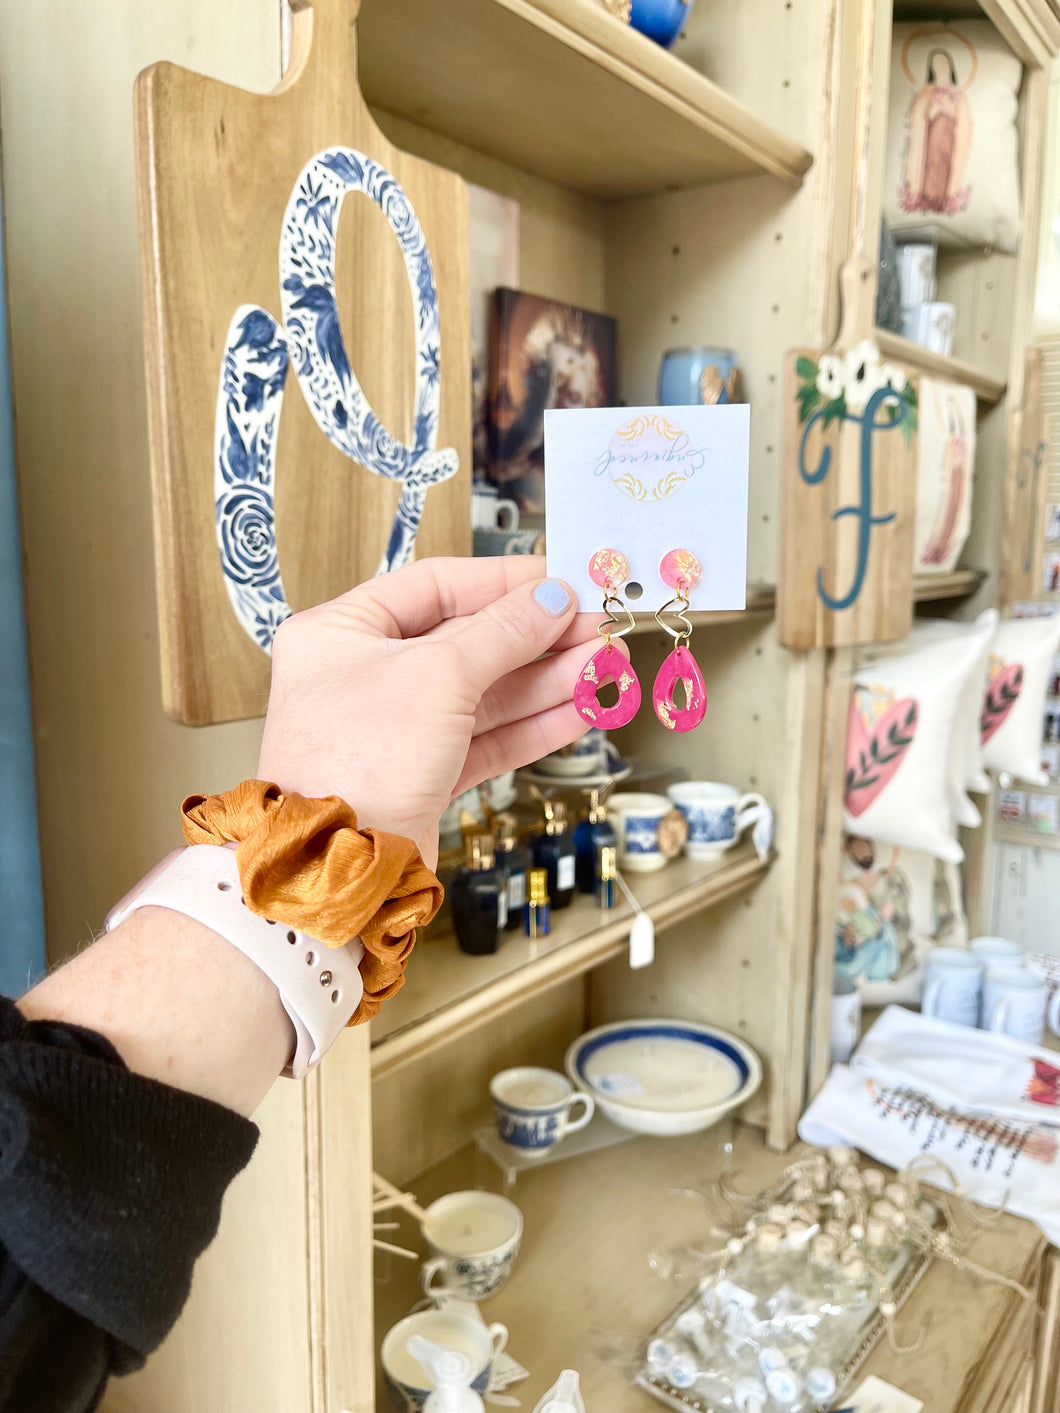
<point x="110" y="1188"/>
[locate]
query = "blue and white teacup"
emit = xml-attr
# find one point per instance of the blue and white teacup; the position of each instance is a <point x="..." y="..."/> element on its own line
<point x="590" y="754"/>
<point x="473" y="1238"/>
<point x="637" y="819"/>
<point x="407" y="1381"/>
<point x="533" y="1108"/>
<point x="717" y="815"/>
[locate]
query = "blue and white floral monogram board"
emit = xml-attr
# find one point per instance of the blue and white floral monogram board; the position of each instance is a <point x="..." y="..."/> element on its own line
<point x="306" y="295"/>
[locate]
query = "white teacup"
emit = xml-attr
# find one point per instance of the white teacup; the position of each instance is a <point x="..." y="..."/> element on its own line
<point x="489" y="511"/>
<point x="636" y="819"/>
<point x="717" y="815"/>
<point x="407" y="1381"/>
<point x="474" y="1238"/>
<point x="533" y="1108"/>
<point x="1016" y="1002"/>
<point x="588" y="755"/>
<point x="953" y="985"/>
<point x="998" y="951"/>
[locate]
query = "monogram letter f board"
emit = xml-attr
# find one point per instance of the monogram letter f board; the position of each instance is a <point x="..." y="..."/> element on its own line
<point x="848" y="499"/>
<point x="306" y="326"/>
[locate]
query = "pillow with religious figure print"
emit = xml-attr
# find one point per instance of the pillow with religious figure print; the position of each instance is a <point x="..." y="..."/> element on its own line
<point x="893" y="906"/>
<point x="944" y="460"/>
<point x="952" y="168"/>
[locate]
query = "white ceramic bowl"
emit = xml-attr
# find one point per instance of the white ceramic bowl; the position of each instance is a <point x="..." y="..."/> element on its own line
<point x="664" y="1077"/>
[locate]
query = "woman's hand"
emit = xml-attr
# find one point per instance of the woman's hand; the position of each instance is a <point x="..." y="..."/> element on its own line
<point x="420" y="684"/>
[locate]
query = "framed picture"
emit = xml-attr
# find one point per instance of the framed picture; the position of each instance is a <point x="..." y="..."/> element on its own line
<point x="1052" y="523"/>
<point x="542" y="355"/>
<point x="1051" y="761"/>
<point x="1051" y="573"/>
<point x="494" y="262"/>
<point x="1012" y="806"/>
<point x="1044" y="813"/>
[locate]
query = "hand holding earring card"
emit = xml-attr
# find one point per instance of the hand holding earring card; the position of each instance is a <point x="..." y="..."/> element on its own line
<point x="646" y="481"/>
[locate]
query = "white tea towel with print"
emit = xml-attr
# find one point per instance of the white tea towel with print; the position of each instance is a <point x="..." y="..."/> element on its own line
<point x="997" y="1161"/>
<point x="974" y="1069"/>
<point x="982" y="1104"/>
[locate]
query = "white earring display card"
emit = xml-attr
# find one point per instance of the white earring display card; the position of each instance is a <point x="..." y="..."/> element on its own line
<point x="645" y="481"/>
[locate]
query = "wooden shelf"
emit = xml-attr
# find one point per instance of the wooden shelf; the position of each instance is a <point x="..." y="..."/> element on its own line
<point x="987" y="389"/>
<point x="591" y="1223"/>
<point x="958" y="585"/>
<point x="446" y="992"/>
<point x="761" y="599"/>
<point x="562" y="89"/>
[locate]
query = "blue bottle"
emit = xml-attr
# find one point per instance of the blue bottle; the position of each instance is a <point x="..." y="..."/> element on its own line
<point x="553" y="850"/>
<point x="514" y="859"/>
<point x="478" y="899"/>
<point x="592" y="834"/>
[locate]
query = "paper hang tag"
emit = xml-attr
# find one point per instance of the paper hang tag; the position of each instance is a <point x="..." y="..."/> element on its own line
<point x="874" y="1395"/>
<point x="641" y="942"/>
<point x="645" y="481"/>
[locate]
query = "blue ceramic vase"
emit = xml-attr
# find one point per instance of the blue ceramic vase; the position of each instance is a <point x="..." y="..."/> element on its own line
<point x="661" y="20"/>
<point x="691" y="376"/>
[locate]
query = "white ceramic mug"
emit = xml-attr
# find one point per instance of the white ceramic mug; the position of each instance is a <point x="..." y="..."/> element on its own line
<point x="717" y="815"/>
<point x="533" y="1108"/>
<point x="407" y="1382"/>
<point x="474" y="1238"/>
<point x="636" y="819"/>
<point x="932" y="325"/>
<point x="916" y="272"/>
<point x="998" y="951"/>
<point x="489" y="511"/>
<point x="953" y="986"/>
<point x="845" y="1029"/>
<point x="1016" y="1002"/>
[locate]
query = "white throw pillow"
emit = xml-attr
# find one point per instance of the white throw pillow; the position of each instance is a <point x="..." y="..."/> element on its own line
<point x="1011" y="723"/>
<point x="893" y="906"/>
<point x="966" y="751"/>
<point x="899" y="731"/>
<point x="945" y="457"/>
<point x="952" y="170"/>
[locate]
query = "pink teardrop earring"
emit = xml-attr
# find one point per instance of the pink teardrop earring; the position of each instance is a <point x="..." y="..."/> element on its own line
<point x="680" y="571"/>
<point x="608" y="568"/>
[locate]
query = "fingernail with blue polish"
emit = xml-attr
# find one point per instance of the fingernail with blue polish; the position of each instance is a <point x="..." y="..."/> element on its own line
<point x="553" y="597"/>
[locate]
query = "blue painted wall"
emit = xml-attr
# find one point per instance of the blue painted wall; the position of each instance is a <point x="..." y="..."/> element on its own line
<point x="21" y="909"/>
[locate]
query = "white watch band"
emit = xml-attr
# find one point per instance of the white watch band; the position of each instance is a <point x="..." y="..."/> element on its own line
<point x="320" y="986"/>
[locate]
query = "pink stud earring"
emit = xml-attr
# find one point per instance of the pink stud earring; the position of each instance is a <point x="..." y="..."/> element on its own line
<point x="680" y="571"/>
<point x="607" y="568"/>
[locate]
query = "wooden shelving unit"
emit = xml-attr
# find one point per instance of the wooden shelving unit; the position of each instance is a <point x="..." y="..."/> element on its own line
<point x="929" y="588"/>
<point x="988" y="390"/>
<point x="561" y="89"/>
<point x="446" y="993"/>
<point x="762" y="599"/>
<point x="590" y="1225"/>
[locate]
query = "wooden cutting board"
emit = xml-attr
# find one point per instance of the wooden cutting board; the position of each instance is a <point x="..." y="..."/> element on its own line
<point x="274" y="409"/>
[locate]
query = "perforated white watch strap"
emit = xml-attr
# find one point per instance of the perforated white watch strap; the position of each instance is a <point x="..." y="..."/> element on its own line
<point x="320" y="986"/>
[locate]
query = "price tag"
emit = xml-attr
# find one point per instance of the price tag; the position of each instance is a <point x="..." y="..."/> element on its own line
<point x="641" y="942"/>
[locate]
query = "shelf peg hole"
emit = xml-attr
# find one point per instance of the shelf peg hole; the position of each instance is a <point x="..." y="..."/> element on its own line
<point x="634" y="589"/>
<point x="292" y="937"/>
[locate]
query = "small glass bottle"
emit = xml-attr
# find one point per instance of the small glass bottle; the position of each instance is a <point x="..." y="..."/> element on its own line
<point x="514" y="858"/>
<point x="537" y="920"/>
<point x="605" y="886"/>
<point x="554" y="851"/>
<point x="478" y="899"/>
<point x="592" y="834"/>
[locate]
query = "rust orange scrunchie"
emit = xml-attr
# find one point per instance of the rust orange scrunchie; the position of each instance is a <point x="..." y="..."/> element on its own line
<point x="305" y="863"/>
